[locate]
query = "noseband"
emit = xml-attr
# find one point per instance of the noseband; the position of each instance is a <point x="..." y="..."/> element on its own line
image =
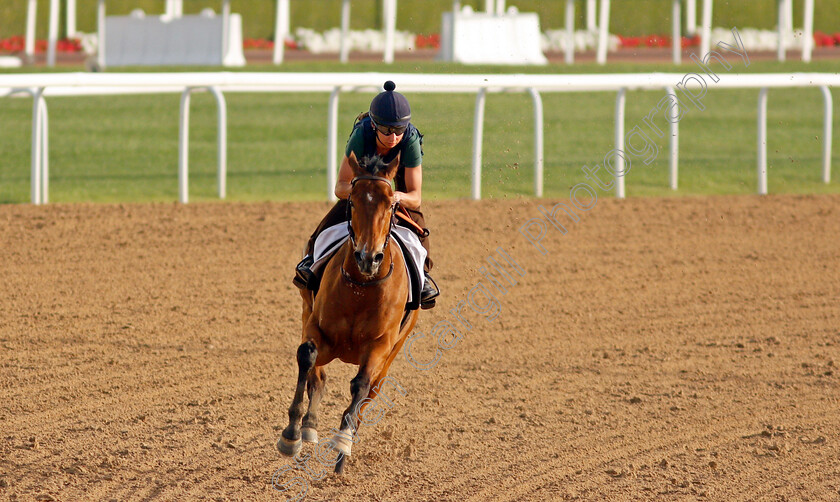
<point x="353" y="234"/>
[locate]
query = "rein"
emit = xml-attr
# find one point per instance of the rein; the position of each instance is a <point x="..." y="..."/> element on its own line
<point x="353" y="234"/>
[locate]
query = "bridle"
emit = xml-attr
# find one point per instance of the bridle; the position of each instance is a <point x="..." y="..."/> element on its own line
<point x="349" y="213"/>
<point x="349" y="216"/>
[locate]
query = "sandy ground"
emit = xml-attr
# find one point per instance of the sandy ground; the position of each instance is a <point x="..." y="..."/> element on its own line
<point x="663" y="349"/>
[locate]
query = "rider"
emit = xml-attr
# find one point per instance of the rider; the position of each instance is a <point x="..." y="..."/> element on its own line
<point x="385" y="130"/>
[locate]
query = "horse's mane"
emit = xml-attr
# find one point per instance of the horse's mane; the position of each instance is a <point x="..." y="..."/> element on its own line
<point x="373" y="165"/>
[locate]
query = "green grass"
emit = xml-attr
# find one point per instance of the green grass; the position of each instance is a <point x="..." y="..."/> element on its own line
<point x="114" y="149"/>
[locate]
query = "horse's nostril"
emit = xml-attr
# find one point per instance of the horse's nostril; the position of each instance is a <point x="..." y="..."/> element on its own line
<point x="358" y="256"/>
<point x="378" y="257"/>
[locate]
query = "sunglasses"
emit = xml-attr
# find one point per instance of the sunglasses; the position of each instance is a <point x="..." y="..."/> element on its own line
<point x="389" y="130"/>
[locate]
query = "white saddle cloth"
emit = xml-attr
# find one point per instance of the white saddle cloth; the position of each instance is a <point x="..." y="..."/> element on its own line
<point x="333" y="237"/>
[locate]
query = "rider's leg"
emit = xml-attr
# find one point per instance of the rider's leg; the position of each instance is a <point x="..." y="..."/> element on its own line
<point x="430" y="290"/>
<point x="336" y="215"/>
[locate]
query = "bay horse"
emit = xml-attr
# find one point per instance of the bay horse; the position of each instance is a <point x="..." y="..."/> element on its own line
<point x="358" y="315"/>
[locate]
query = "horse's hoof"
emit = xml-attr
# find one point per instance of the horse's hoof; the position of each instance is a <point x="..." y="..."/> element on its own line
<point x="309" y="434"/>
<point x="288" y="447"/>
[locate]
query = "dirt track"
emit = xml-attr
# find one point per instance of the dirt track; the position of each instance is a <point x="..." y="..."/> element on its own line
<point x="664" y="349"/>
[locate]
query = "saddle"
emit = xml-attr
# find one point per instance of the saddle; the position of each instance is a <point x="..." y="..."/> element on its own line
<point x="332" y="238"/>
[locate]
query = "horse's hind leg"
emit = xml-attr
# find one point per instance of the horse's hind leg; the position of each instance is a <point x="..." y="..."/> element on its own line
<point x="289" y="443"/>
<point x="315" y="390"/>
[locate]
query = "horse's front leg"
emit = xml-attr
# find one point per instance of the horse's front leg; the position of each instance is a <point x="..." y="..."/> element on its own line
<point x="315" y="390"/>
<point x="344" y="439"/>
<point x="289" y="443"/>
<point x="360" y="387"/>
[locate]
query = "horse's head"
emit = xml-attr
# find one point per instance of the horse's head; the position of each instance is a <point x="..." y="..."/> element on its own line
<point x="372" y="207"/>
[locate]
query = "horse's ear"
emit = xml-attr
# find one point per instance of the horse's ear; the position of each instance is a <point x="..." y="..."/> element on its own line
<point x="354" y="164"/>
<point x="391" y="169"/>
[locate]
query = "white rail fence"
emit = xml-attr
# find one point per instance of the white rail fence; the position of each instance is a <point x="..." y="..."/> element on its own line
<point x="40" y="86"/>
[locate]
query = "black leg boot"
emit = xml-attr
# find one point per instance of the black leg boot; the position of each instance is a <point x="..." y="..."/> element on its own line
<point x="303" y="274"/>
<point x="429" y="293"/>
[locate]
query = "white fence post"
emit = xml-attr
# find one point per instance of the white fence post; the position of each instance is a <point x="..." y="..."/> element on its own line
<point x="539" y="149"/>
<point x="31" y="17"/>
<point x="71" y="18"/>
<point x="570" y="31"/>
<point x="225" y="28"/>
<point x="184" y="147"/>
<point x="178" y="8"/>
<point x="782" y="29"/>
<point x="478" y="135"/>
<point x="691" y="17"/>
<point x="828" y="104"/>
<point x="344" y="52"/>
<point x="100" y="30"/>
<point x="55" y="10"/>
<point x="45" y="152"/>
<point x="603" y="31"/>
<point x="789" y="16"/>
<point x="332" y="143"/>
<point x="706" y="35"/>
<point x="676" y="36"/>
<point x="620" y="101"/>
<point x="184" y="143"/>
<point x="37" y="147"/>
<point x="591" y="18"/>
<point x="281" y="29"/>
<point x="808" y="36"/>
<point x="675" y="142"/>
<point x="39" y="168"/>
<point x="762" y="141"/>
<point x="390" y="10"/>
<point x="221" y="139"/>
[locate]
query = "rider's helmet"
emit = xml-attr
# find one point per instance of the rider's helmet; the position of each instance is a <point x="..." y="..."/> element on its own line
<point x="390" y="108"/>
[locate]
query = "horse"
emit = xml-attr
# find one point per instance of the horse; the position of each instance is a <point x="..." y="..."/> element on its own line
<point x="358" y="315"/>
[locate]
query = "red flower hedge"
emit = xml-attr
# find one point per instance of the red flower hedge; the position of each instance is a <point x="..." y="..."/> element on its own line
<point x="825" y="40"/>
<point x="18" y="44"/>
<point x="820" y="40"/>
<point x="262" y="43"/>
<point x="432" y="41"/>
<point x="427" y="41"/>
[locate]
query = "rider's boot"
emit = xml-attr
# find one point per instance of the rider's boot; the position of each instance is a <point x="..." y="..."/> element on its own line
<point x="429" y="293"/>
<point x="303" y="273"/>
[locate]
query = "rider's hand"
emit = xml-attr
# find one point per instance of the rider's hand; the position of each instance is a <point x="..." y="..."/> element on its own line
<point x="398" y="196"/>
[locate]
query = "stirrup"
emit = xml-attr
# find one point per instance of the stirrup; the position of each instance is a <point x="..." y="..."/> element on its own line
<point x="429" y="293"/>
<point x="303" y="273"/>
